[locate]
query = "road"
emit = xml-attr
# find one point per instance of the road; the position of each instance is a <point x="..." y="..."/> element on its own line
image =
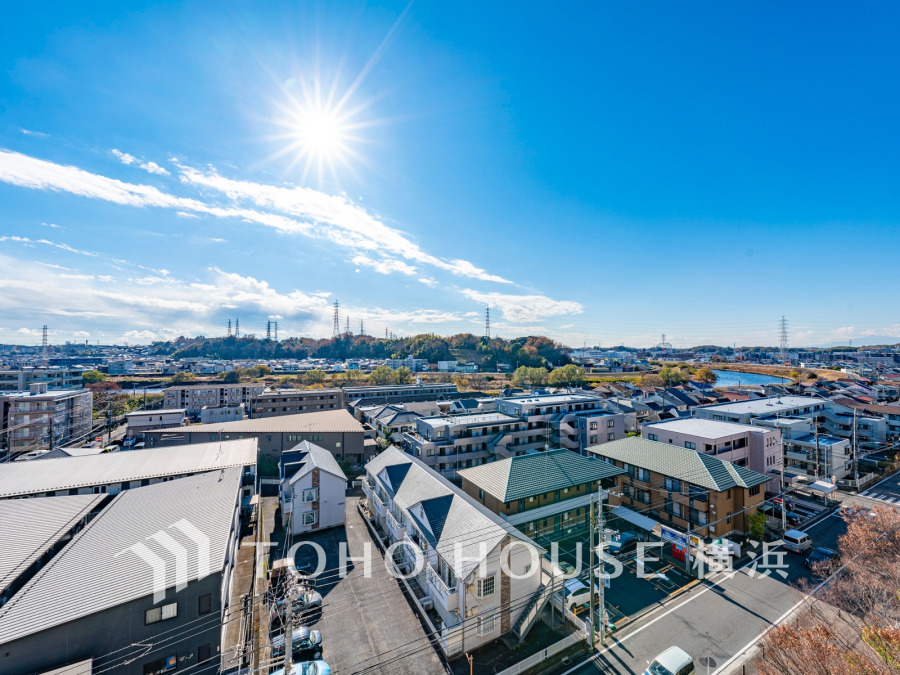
<point x="886" y="491"/>
<point x="718" y="619"/>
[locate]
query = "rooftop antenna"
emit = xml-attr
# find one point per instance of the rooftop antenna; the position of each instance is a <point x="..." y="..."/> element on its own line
<point x="783" y="337"/>
<point x="336" y="332"/>
<point x="487" y="322"/>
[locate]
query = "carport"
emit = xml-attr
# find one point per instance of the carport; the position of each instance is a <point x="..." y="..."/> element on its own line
<point x="637" y="519"/>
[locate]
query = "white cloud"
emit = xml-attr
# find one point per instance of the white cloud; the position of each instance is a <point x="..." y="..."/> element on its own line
<point x="29" y="132"/>
<point x="153" y="167"/>
<point x="124" y="157"/>
<point x="47" y="242"/>
<point x="185" y="214"/>
<point x="428" y="281"/>
<point x="525" y="308"/>
<point x="52" y="225"/>
<point x="385" y="266"/>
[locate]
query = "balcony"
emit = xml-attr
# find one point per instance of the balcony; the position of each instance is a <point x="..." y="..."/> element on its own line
<point x="393" y="526"/>
<point x="440" y="589"/>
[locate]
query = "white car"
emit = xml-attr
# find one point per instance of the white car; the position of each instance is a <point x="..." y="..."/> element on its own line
<point x="673" y="661"/>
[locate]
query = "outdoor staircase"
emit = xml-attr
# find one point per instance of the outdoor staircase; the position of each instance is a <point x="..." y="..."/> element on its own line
<point x="533" y="609"/>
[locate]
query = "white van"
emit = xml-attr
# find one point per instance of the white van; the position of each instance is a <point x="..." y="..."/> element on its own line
<point x="796" y="541"/>
<point x="673" y="661"/>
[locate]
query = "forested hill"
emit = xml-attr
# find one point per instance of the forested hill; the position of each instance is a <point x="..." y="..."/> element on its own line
<point x="525" y="351"/>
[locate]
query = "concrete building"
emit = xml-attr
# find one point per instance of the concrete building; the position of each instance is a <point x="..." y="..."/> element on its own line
<point x="744" y="412"/>
<point x="454" y="547"/>
<point x="313" y="489"/>
<point x="400" y="393"/>
<point x="41" y="419"/>
<point x="143" y="420"/>
<point x="228" y="413"/>
<point x="273" y="403"/>
<point x="546" y="495"/>
<point x="415" y="365"/>
<point x="101" y="598"/>
<point x="758" y="448"/>
<point x="53" y="377"/>
<point x="197" y="396"/>
<point x="684" y="489"/>
<point x="335" y="430"/>
<point x="111" y="473"/>
<point x="809" y="455"/>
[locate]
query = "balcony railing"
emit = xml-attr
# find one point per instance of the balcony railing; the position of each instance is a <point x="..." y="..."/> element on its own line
<point x="441" y="588"/>
<point x="393" y="525"/>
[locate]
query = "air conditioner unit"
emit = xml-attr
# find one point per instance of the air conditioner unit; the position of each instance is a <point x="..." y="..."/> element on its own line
<point x="472" y="612"/>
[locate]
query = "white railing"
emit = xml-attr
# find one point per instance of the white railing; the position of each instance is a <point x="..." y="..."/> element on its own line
<point x="393" y="525"/>
<point x="434" y="579"/>
<point x="544" y="654"/>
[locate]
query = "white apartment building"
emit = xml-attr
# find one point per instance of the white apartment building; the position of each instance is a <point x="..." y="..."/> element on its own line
<point x="41" y="419"/>
<point x="313" y="489"/>
<point x="193" y="398"/>
<point x="452" y="547"/>
<point x="54" y="377"/>
<point x="144" y="420"/>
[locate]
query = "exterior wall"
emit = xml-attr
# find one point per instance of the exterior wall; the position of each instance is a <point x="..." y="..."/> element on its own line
<point x="233" y="413"/>
<point x="292" y="402"/>
<point x="400" y="393"/>
<point x="41" y="421"/>
<point x="138" y="424"/>
<point x="330" y="504"/>
<point x="54" y="378"/>
<point x="596" y="430"/>
<point x="194" y="397"/>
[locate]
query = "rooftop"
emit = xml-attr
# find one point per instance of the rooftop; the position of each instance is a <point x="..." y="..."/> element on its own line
<point x="323" y="421"/>
<point x="98" y="569"/>
<point x="703" y="428"/>
<point x="66" y="473"/>
<point x="161" y="411"/>
<point x="528" y="475"/>
<point x="315" y="458"/>
<point x="765" y="406"/>
<point x="474" y="418"/>
<point x="552" y="399"/>
<point x="675" y="462"/>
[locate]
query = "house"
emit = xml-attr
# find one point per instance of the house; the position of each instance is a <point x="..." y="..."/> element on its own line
<point x="452" y="547"/>
<point x="312" y="490"/>
<point x="758" y="448"/>
<point x="336" y="430"/>
<point x="119" y="592"/>
<point x="111" y="473"/>
<point x="142" y="420"/>
<point x="685" y="489"/>
<point x="546" y="495"/>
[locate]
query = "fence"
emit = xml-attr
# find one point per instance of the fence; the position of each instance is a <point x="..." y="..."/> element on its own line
<point x="544" y="654"/>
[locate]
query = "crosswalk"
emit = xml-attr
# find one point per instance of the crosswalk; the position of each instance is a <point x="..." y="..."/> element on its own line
<point x="879" y="497"/>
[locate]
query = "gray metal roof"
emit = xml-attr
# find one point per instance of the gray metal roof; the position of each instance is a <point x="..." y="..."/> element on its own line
<point x="528" y="475"/>
<point x="688" y="465"/>
<point x="316" y="457"/>
<point x="99" y="569"/>
<point x="28" y="478"/>
<point x="323" y="421"/>
<point x="29" y="527"/>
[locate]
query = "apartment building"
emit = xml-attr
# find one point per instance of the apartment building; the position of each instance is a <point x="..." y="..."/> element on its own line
<point x="272" y="403"/>
<point x="756" y="447"/>
<point x="54" y="377"/>
<point x="41" y="419"/>
<point x="452" y="548"/>
<point x="144" y="420"/>
<point x="572" y="421"/>
<point x="313" y="489"/>
<point x="808" y="453"/>
<point x="744" y="412"/>
<point x="399" y="393"/>
<point x="194" y="397"/>
<point x="546" y="495"/>
<point x="684" y="489"/>
<point x="889" y="413"/>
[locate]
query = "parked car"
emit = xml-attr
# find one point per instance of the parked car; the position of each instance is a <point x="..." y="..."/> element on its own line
<point x="304" y="604"/>
<point x="673" y="661"/>
<point x="796" y="541"/>
<point x="774" y="511"/>
<point x="622" y="543"/>
<point x="823" y="560"/>
<point x="306" y="644"/>
<point x="306" y="668"/>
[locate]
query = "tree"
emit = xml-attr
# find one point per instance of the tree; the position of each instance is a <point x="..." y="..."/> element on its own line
<point x="651" y="380"/>
<point x="757" y="525"/>
<point x="382" y="375"/>
<point x="812" y="376"/>
<point x="263" y="370"/>
<point x="672" y="377"/>
<point x="232" y="377"/>
<point x="183" y="376"/>
<point x="569" y="375"/>
<point x="403" y="375"/>
<point x="314" y="376"/>
<point x="93" y="376"/>
<point x="706" y="376"/>
<point x="526" y="375"/>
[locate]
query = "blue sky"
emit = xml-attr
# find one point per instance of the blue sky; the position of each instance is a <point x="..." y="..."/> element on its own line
<point x="600" y="173"/>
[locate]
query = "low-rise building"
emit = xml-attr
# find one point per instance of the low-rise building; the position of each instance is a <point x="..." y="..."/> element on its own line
<point x="227" y="413"/>
<point x="273" y="403"/>
<point x="54" y="377"/>
<point x="42" y="418"/>
<point x="144" y="420"/>
<point x="399" y="393"/>
<point x="546" y="495"/>
<point x="744" y="412"/>
<point x="685" y="489"/>
<point x="195" y="397"/>
<point x="479" y="586"/>
<point x="313" y="489"/>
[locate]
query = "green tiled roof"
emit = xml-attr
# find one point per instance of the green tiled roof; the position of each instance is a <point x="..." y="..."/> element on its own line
<point x="675" y="462"/>
<point x="529" y="475"/>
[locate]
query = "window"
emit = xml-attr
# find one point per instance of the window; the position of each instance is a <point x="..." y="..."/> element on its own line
<point x="642" y="475"/>
<point x="593" y="425"/>
<point x="643" y="496"/>
<point x="204" y="604"/>
<point x="610" y="423"/>
<point x="161" y="613"/>
<point x="204" y="653"/>
<point x="486" y="624"/>
<point x="310" y="495"/>
<point x="480" y="494"/>
<point x="611" y="436"/>
<point x="690" y="446"/>
<point x="486" y="587"/>
<point x="728" y="518"/>
<point x="337" y="445"/>
<point x="674" y="508"/>
<point x="165" y="665"/>
<point x="310" y="517"/>
<point x="673" y="485"/>
<point x="594" y="439"/>
<point x="754" y="490"/>
<point x="653" y="437"/>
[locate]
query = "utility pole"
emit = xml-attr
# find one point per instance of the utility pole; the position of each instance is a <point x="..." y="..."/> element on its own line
<point x="816" y="426"/>
<point x="602" y="567"/>
<point x="783" y="495"/>
<point x="591" y="568"/>
<point x="855" y="475"/>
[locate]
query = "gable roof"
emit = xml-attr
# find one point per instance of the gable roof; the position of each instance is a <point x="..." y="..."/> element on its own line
<point x="66" y="473"/>
<point x="528" y="475"/>
<point x="315" y="458"/>
<point x="675" y="462"/>
<point x="99" y="569"/>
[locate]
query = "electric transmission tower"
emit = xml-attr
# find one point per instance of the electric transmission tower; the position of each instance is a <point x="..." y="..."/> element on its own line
<point x="44" y="343"/>
<point x="487" y="322"/>
<point x="229" y="327"/>
<point x="362" y="329"/>
<point x="347" y="327"/>
<point x="237" y="328"/>
<point x="336" y="332"/>
<point x="783" y="337"/>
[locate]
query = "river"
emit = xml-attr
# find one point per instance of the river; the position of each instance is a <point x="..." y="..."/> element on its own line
<point x="731" y="378"/>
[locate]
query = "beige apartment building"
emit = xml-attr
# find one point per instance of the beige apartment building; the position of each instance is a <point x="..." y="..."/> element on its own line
<point x="193" y="398"/>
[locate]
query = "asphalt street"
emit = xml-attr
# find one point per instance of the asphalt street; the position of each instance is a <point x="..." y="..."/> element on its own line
<point x="887" y="491"/>
<point x="720" y="618"/>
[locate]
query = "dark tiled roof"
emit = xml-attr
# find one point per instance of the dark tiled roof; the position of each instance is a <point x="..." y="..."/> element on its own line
<point x="528" y="475"/>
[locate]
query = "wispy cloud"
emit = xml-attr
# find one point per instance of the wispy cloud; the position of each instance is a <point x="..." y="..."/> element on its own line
<point x="149" y="167"/>
<point x="52" y="226"/>
<point x="29" y="132"/>
<point x="124" y="157"/>
<point x="525" y="308"/>
<point x="47" y="242"/>
<point x="384" y="266"/>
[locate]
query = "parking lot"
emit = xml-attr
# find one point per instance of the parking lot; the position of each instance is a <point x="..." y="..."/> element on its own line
<point x="367" y="624"/>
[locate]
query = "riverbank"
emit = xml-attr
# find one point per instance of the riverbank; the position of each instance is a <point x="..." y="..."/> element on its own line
<point x="780" y="371"/>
